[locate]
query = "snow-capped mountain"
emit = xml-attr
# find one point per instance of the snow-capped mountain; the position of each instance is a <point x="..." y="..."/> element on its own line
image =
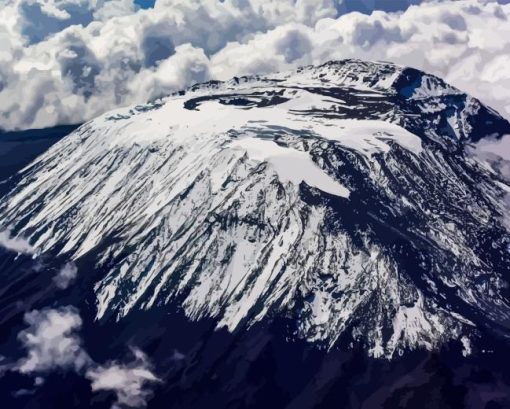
<point x="341" y="197"/>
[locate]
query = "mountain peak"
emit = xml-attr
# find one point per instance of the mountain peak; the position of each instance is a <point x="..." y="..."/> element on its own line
<point x="338" y="196"/>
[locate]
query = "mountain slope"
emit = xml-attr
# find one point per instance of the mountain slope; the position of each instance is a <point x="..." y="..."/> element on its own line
<point x="341" y="197"/>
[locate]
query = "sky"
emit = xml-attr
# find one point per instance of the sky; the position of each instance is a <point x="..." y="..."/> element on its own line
<point x="67" y="61"/>
<point x="145" y="3"/>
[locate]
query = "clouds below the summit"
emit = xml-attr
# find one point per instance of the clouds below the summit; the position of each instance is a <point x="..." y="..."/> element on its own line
<point x="52" y="343"/>
<point x="16" y="244"/>
<point x="127" y="381"/>
<point x="97" y="55"/>
<point x="66" y="275"/>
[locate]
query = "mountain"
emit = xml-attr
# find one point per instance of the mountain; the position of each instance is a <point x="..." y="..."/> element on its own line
<point x="340" y="204"/>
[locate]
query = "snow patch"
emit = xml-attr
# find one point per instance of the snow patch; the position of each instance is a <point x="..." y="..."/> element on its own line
<point x="291" y="165"/>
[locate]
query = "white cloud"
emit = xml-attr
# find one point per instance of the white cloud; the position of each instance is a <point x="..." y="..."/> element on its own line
<point x="38" y="19"/>
<point x="52" y="342"/>
<point x="17" y="244"/>
<point x="496" y="154"/>
<point x="72" y="73"/>
<point x="66" y="275"/>
<point x="495" y="147"/>
<point x="127" y="381"/>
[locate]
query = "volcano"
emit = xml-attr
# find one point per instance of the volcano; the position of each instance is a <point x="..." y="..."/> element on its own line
<point x="341" y="204"/>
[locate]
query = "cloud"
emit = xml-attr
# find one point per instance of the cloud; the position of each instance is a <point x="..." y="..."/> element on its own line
<point x="496" y="154"/>
<point x="39" y="19"/>
<point x="66" y="275"/>
<point x="17" y="244"/>
<point x="496" y="147"/>
<point x="127" y="381"/>
<point x="70" y="73"/>
<point x="52" y="342"/>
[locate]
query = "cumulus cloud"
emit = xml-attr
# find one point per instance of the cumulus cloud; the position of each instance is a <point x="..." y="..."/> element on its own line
<point x="127" y="381"/>
<point x="99" y="55"/>
<point x="65" y="276"/>
<point x="39" y="19"/>
<point x="17" y="244"/>
<point x="52" y="342"/>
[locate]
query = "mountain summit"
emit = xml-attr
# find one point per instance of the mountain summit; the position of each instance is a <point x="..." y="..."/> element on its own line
<point x="341" y="197"/>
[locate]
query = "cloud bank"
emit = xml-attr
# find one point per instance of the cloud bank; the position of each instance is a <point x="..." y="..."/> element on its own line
<point x="92" y="56"/>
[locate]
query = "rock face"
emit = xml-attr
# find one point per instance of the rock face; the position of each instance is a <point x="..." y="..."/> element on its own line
<point x="341" y="197"/>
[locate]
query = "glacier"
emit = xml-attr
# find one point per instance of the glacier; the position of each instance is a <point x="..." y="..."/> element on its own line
<point x="341" y="196"/>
